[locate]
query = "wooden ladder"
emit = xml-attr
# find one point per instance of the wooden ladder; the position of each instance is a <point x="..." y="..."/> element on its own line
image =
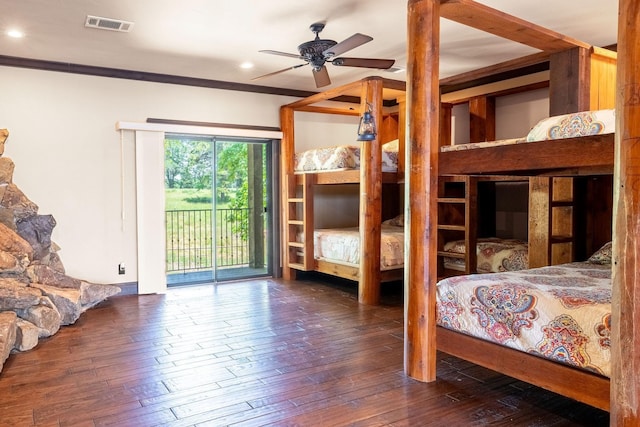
<point x="457" y="218"/>
<point x="299" y="222"/>
<point x="551" y="220"/>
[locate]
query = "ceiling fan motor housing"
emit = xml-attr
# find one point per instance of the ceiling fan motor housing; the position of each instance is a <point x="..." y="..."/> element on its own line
<point x="312" y="50"/>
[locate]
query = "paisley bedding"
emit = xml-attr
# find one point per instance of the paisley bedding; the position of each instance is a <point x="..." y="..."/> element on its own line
<point x="560" y="312"/>
<point x="572" y="125"/>
<point x="342" y="245"/>
<point x="494" y="255"/>
<point x="342" y="157"/>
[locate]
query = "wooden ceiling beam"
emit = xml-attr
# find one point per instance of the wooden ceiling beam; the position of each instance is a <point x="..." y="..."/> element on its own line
<point x="481" y="17"/>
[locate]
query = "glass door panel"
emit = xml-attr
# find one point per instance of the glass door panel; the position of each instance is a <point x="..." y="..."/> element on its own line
<point x="217" y="206"/>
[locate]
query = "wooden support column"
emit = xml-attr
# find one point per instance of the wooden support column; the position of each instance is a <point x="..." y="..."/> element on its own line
<point x="445" y="124"/>
<point x="625" y="321"/>
<point x="482" y="119"/>
<point x="286" y="169"/>
<point x="370" y="199"/>
<point x="569" y="77"/>
<point x="421" y="188"/>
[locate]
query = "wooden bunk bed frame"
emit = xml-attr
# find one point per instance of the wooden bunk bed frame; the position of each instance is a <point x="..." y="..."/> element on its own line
<point x="297" y="206"/>
<point x="567" y="158"/>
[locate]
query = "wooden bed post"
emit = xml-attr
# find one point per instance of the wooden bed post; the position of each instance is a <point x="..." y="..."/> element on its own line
<point x="370" y="199"/>
<point x="625" y="322"/>
<point x="421" y="188"/>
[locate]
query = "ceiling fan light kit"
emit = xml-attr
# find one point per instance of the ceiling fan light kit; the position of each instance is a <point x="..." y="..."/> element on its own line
<point x="318" y="52"/>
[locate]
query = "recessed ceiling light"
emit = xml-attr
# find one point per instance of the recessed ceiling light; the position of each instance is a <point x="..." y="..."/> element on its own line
<point x="246" y="65"/>
<point x="16" y="34"/>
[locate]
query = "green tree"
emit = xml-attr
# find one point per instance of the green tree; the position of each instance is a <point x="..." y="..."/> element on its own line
<point x="231" y="172"/>
<point x="187" y="163"/>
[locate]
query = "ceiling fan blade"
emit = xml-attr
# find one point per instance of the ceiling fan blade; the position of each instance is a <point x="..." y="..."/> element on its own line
<point x="275" y="52"/>
<point x="381" y="64"/>
<point x="279" y="71"/>
<point x="347" y="44"/>
<point x="322" y="77"/>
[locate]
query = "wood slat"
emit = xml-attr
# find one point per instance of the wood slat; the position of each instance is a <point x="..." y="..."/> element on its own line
<point x="591" y="154"/>
<point x="481" y="17"/>
<point x="575" y="383"/>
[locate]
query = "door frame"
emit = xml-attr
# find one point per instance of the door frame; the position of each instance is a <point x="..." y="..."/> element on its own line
<point x="149" y="149"/>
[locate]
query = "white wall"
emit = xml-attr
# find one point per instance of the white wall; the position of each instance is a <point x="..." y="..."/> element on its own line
<point x="515" y="115"/>
<point x="63" y="141"/>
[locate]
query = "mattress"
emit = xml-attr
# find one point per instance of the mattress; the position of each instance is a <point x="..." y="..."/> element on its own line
<point x="494" y="255"/>
<point x="342" y="157"/>
<point x="560" y="312"/>
<point x="342" y="246"/>
<point x="572" y="125"/>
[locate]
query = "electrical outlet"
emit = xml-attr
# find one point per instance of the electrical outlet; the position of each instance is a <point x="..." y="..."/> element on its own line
<point x="121" y="269"/>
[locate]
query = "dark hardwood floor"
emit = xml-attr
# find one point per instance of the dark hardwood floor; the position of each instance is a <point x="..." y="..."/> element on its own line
<point x="262" y="352"/>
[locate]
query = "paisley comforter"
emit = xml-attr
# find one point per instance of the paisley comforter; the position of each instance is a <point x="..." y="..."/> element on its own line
<point x="342" y="245"/>
<point x="494" y="255"/>
<point x="560" y="312"/>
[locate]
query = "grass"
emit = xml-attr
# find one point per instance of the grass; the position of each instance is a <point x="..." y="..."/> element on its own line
<point x="189" y="236"/>
<point x="185" y="199"/>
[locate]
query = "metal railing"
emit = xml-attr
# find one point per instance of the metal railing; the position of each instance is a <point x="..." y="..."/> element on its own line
<point x="190" y="237"/>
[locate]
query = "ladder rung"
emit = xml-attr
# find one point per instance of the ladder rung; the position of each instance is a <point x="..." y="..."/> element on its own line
<point x="451" y="254"/>
<point x="451" y="227"/>
<point x="296" y="200"/>
<point x="296" y="244"/>
<point x="296" y="222"/>
<point x="297" y="266"/>
<point x="451" y="200"/>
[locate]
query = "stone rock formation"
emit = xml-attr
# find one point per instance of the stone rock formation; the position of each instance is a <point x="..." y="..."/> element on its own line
<point x="36" y="296"/>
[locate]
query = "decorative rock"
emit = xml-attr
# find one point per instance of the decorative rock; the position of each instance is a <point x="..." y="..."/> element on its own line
<point x="36" y="230"/>
<point x="9" y="264"/>
<point x="15" y="295"/>
<point x="92" y="294"/>
<point x="66" y="300"/>
<point x="4" y="134"/>
<point x="26" y="336"/>
<point x="8" y="218"/>
<point x="6" y="170"/>
<point x="11" y="197"/>
<point x="11" y="242"/>
<point x="53" y="261"/>
<point x="8" y="322"/>
<point x="33" y="283"/>
<point x="46" y="317"/>
<point x="46" y="275"/>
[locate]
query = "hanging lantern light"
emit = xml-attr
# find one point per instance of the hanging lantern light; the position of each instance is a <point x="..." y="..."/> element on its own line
<point x="367" y="126"/>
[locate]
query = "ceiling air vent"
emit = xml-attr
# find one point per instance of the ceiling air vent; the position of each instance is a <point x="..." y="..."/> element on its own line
<point x="108" y="24"/>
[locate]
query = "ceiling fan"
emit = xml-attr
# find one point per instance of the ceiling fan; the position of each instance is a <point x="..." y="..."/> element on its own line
<point x="319" y="51"/>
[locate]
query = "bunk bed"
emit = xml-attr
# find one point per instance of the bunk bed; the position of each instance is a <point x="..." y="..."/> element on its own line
<point x="367" y="165"/>
<point x="543" y="161"/>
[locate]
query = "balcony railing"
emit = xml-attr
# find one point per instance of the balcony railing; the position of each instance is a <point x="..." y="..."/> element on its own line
<point x="190" y="237"/>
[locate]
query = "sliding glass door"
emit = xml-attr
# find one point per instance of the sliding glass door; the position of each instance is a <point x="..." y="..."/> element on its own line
<point x="218" y="208"/>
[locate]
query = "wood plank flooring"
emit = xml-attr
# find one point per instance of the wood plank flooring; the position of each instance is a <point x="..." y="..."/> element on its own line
<point x="258" y="353"/>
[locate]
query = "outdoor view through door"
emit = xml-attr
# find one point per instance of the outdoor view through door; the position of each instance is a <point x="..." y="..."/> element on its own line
<point x="221" y="181"/>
